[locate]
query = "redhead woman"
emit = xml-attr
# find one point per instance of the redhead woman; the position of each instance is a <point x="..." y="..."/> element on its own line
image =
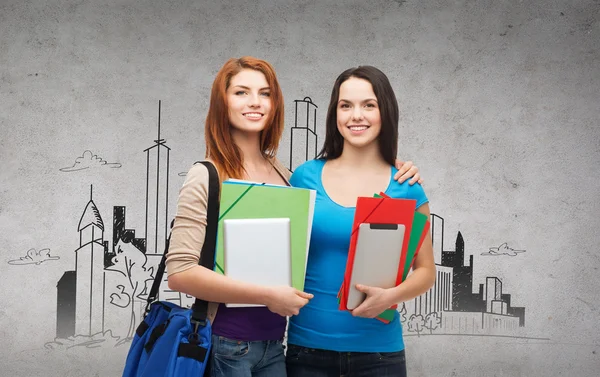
<point x="357" y="160"/>
<point x="243" y="128"/>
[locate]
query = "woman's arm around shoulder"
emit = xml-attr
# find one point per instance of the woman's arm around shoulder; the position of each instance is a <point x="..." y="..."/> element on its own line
<point x="407" y="170"/>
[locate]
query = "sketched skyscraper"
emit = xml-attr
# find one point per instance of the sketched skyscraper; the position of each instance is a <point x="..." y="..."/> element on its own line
<point x="157" y="204"/>
<point x="306" y="141"/>
<point x="89" y="265"/>
<point x="157" y="194"/>
<point x="437" y="237"/>
<point x="439" y="297"/>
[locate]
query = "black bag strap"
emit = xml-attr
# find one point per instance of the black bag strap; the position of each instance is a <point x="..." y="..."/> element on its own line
<point x="209" y="248"/>
<point x="207" y="255"/>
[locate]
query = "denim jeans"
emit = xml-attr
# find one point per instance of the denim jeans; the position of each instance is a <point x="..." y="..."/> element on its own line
<point x="309" y="362"/>
<point x="236" y="358"/>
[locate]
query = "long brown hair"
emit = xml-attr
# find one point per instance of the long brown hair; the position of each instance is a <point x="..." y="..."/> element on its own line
<point x="220" y="147"/>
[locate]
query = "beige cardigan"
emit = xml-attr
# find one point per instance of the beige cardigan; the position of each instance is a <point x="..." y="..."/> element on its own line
<point x="187" y="235"/>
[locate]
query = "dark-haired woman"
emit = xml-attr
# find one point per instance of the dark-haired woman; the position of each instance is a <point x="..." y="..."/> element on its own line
<point x="357" y="160"/>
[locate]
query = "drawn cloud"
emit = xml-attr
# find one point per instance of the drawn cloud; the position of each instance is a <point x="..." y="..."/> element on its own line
<point x="503" y="250"/>
<point x="89" y="160"/>
<point x="34" y="257"/>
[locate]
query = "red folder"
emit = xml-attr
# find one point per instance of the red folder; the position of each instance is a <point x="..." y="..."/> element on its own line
<point x="383" y="210"/>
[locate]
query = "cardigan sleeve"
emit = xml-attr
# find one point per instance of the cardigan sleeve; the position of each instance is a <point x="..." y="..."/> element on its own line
<point x="187" y="235"/>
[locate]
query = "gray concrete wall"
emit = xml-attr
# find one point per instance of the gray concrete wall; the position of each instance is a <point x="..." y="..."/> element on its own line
<point x="500" y="110"/>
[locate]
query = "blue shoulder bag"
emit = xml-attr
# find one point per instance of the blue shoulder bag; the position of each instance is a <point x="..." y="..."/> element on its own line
<point x="171" y="340"/>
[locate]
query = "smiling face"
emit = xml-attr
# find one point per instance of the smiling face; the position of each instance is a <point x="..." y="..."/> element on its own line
<point x="358" y="117"/>
<point x="248" y="100"/>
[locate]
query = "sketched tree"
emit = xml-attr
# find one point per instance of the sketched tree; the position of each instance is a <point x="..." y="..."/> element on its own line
<point x="136" y="277"/>
<point x="402" y="312"/>
<point x="433" y="321"/>
<point x="416" y="322"/>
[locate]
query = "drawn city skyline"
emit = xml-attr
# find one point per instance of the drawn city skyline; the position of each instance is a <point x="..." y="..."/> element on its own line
<point x="123" y="267"/>
<point x="451" y="307"/>
<point x="117" y="274"/>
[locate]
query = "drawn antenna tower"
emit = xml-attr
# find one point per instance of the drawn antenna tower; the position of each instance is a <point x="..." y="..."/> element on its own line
<point x="309" y="128"/>
<point x="157" y="194"/>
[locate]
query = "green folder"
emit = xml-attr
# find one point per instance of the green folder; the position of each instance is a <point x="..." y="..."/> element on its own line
<point x="255" y="201"/>
<point x="419" y="222"/>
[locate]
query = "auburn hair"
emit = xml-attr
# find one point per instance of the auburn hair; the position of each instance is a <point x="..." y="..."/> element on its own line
<point x="220" y="147"/>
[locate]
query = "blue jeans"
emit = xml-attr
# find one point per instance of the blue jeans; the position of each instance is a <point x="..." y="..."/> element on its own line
<point x="309" y="362"/>
<point x="236" y="358"/>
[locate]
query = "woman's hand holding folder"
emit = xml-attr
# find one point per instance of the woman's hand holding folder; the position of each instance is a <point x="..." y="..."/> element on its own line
<point x="376" y="302"/>
<point x="286" y="301"/>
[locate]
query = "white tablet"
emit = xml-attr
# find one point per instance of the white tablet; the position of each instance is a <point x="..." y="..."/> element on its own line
<point x="376" y="259"/>
<point x="257" y="251"/>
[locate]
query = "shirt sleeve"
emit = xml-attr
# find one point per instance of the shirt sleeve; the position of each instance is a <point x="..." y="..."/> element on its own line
<point x="302" y="174"/>
<point x="187" y="235"/>
<point x="416" y="192"/>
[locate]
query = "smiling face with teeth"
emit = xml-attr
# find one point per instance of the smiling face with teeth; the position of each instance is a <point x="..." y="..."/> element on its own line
<point x="362" y="113"/>
<point x="358" y="117"/>
<point x="248" y="101"/>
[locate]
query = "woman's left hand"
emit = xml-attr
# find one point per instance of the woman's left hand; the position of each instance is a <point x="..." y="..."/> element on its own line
<point x="377" y="302"/>
<point x="407" y="170"/>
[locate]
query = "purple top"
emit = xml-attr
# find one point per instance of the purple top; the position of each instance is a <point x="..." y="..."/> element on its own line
<point x="248" y="324"/>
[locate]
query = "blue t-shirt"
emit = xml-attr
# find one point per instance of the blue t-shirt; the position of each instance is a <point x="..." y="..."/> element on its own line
<point x="320" y="324"/>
